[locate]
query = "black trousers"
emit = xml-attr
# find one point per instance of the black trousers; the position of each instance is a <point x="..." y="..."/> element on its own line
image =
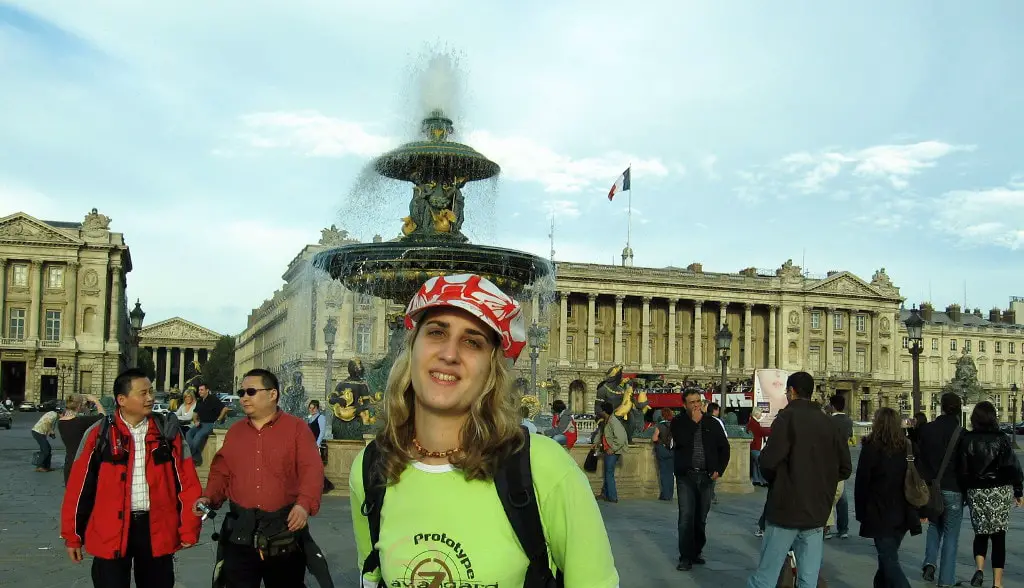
<point x="151" y="572"/>
<point x="693" y="491"/>
<point x="243" y="568"/>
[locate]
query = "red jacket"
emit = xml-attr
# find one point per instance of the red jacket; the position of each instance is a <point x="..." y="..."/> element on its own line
<point x="97" y="501"/>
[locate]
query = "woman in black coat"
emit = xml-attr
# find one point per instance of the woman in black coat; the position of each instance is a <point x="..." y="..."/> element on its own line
<point x="883" y="511"/>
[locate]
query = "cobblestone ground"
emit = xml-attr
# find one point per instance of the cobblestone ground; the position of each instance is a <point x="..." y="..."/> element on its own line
<point x="642" y="532"/>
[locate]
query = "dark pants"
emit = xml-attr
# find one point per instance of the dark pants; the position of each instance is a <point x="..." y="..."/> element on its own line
<point x="666" y="471"/>
<point x="694" y="495"/>
<point x="889" y="574"/>
<point x="151" y="572"/>
<point x="45" y="452"/>
<point x="998" y="548"/>
<point x="843" y="513"/>
<point x="243" y="568"/>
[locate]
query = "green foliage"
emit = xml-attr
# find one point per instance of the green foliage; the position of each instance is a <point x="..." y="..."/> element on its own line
<point x="219" y="369"/>
<point x="145" y="363"/>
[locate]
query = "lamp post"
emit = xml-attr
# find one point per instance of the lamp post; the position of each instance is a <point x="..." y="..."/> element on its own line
<point x="64" y="371"/>
<point x="723" y="339"/>
<point x="136" y="316"/>
<point x="330" y="331"/>
<point x="535" y="337"/>
<point x="1013" y="411"/>
<point x="915" y="324"/>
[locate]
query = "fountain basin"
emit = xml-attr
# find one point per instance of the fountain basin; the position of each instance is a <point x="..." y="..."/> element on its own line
<point x="395" y="270"/>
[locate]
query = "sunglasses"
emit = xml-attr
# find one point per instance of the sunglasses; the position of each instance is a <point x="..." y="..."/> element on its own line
<point x="250" y="391"/>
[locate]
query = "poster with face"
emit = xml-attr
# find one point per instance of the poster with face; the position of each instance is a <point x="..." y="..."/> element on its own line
<point x="770" y="393"/>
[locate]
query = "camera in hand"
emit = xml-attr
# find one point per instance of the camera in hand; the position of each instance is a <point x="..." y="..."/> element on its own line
<point x="207" y="512"/>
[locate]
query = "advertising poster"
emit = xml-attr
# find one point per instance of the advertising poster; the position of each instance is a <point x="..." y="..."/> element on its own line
<point x="770" y="393"/>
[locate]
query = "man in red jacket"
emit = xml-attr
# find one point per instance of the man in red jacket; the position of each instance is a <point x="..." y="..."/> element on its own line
<point x="129" y="496"/>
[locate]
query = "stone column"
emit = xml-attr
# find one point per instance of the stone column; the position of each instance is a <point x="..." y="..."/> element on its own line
<point x="591" y="330"/>
<point x="876" y="348"/>
<point x="563" y="323"/>
<point x="829" y="339"/>
<point x="618" y="328"/>
<point x="853" y="340"/>
<point x="35" y="305"/>
<point x="773" y="318"/>
<point x="156" y="366"/>
<point x="748" y="338"/>
<point x="115" y="303"/>
<point x="168" y="356"/>
<point x="181" y="368"/>
<point x="645" y="343"/>
<point x="672" y="365"/>
<point x="3" y="298"/>
<point x="698" y="335"/>
<point x="71" y="287"/>
<point x="805" y="355"/>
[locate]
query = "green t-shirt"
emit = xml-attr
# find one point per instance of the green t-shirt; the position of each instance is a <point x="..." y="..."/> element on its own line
<point x="439" y="530"/>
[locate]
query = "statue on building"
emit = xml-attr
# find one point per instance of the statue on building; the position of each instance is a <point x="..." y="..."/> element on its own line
<point x="333" y="236"/>
<point x="965" y="381"/>
<point x="789" y="270"/>
<point x="94" y="221"/>
<point x="352" y="405"/>
<point x="294" y="400"/>
<point x="880" y="278"/>
<point x="629" y="405"/>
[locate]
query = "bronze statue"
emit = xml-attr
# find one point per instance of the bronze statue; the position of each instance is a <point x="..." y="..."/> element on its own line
<point x="628" y="405"/>
<point x="351" y="398"/>
<point x="435" y="208"/>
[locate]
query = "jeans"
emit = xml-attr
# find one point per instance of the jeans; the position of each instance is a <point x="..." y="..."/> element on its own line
<point x="196" y="439"/>
<point x="807" y="545"/>
<point x="693" y="491"/>
<point x="890" y="574"/>
<point x="944" y="534"/>
<point x="843" y="513"/>
<point x="755" y="468"/>
<point x="666" y="471"/>
<point x="608" y="489"/>
<point x="560" y="439"/>
<point x="45" y="452"/>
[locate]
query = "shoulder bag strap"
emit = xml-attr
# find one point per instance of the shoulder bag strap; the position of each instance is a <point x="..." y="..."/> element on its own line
<point x="949" y="453"/>
<point x="514" y="484"/>
<point x="374" y="487"/>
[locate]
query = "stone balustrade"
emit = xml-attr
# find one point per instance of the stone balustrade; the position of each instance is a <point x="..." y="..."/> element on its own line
<point x="636" y="475"/>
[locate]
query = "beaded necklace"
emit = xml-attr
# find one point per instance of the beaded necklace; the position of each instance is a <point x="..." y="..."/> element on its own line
<point x="435" y="454"/>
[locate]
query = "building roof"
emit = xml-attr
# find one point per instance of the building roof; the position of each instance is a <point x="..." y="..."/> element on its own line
<point x="966" y="319"/>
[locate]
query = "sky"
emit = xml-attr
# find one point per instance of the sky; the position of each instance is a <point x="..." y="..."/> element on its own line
<point x="221" y="137"/>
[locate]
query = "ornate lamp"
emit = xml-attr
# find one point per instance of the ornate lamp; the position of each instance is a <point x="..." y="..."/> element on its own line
<point x="330" y="332"/>
<point x="915" y="325"/>
<point x="136" y="317"/>
<point x="723" y="340"/>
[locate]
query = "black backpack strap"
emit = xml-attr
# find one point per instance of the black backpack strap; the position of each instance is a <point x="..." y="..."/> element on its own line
<point x="514" y="483"/>
<point x="374" y="487"/>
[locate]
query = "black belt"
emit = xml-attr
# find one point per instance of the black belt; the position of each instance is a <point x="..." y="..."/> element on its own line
<point x="138" y="514"/>
<point x="696" y="471"/>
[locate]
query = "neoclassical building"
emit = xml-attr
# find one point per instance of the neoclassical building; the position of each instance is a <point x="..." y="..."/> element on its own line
<point x="175" y="344"/>
<point x="65" y="319"/>
<point x="286" y="333"/>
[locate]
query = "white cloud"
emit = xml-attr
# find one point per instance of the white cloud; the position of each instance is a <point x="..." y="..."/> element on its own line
<point x="893" y="164"/>
<point x="983" y="217"/>
<point x="707" y="163"/>
<point x="562" y="208"/>
<point x="309" y="133"/>
<point x="15" y="197"/>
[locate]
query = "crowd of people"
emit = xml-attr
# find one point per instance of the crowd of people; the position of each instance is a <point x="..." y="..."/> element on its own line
<point x="452" y="436"/>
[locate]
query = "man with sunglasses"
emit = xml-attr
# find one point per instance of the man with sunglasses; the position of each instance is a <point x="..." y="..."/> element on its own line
<point x="122" y="502"/>
<point x="209" y="410"/>
<point x="269" y="469"/>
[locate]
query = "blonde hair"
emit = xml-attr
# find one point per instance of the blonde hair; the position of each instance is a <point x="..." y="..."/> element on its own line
<point x="491" y="433"/>
<point x="188" y="394"/>
<point x="73" y="402"/>
<point x="756" y="414"/>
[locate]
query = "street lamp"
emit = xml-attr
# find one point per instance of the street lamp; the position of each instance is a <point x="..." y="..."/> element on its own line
<point x="723" y="340"/>
<point x="1013" y="411"/>
<point x="136" y="316"/>
<point x="330" y="331"/>
<point x="915" y="324"/>
<point x="63" y="372"/>
<point x="535" y="336"/>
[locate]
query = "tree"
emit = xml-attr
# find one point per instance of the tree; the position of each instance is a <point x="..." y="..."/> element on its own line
<point x="145" y="363"/>
<point x="219" y="369"/>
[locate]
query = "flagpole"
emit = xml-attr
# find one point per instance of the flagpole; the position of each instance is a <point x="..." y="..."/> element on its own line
<point x="629" y="213"/>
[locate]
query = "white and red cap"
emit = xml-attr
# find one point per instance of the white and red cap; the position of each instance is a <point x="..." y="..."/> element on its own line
<point x="479" y="297"/>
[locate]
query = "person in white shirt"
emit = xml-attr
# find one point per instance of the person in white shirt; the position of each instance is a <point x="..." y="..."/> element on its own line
<point x="524" y="411"/>
<point x="184" y="412"/>
<point x="42" y="432"/>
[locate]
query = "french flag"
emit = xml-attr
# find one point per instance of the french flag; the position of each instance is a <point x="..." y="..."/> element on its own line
<point x="621" y="184"/>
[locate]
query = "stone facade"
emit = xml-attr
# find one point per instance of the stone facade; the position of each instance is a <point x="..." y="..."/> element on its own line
<point x="285" y="334"/>
<point x="65" y="318"/>
<point x="840" y="328"/>
<point x="994" y="341"/>
<point x="175" y="344"/>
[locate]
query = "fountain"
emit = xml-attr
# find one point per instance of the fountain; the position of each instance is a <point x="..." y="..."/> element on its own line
<point x="431" y="242"/>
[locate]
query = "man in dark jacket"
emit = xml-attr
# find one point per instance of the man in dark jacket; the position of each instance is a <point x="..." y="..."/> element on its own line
<point x="701" y="456"/>
<point x="943" y="533"/>
<point x="845" y="424"/>
<point x="804" y="461"/>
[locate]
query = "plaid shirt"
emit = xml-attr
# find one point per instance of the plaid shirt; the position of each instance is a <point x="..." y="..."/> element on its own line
<point x="140" y="487"/>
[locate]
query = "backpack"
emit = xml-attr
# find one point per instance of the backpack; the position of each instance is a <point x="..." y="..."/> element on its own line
<point x="514" y="484"/>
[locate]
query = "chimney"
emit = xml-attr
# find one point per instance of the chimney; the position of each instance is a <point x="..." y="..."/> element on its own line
<point x="994" y="315"/>
<point x="832" y="273"/>
<point x="977" y="313"/>
<point x="953" y="310"/>
<point x="926" y="311"/>
<point x="1009" y="317"/>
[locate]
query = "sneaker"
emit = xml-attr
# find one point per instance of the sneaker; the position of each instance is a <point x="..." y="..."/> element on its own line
<point x="829" y="535"/>
<point x="978" y="578"/>
<point x="684" y="565"/>
<point x="928" y="573"/>
<point x="758" y="533"/>
<point x="844" y="536"/>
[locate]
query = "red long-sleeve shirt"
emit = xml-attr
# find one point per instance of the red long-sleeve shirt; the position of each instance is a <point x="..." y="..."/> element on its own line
<point x="269" y="468"/>
<point x="759" y="432"/>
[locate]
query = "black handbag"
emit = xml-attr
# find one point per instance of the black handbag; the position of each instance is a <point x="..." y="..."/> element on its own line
<point x="936" y="506"/>
<point x="590" y="464"/>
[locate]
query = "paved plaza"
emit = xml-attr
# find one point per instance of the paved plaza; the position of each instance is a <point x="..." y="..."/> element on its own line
<point x="642" y="533"/>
